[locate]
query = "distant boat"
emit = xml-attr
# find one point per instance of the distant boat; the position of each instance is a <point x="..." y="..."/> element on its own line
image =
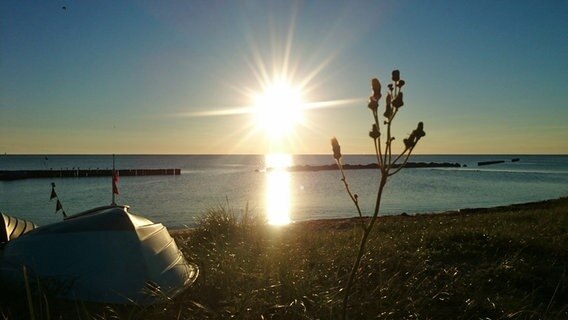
<point x="105" y="255"/>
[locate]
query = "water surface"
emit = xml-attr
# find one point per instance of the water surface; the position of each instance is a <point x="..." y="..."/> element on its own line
<point x="211" y="180"/>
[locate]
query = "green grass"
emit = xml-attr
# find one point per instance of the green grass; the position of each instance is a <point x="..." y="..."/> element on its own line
<point x="501" y="264"/>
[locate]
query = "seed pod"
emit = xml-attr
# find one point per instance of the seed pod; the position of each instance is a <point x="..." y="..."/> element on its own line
<point x="373" y="104"/>
<point x="400" y="84"/>
<point x="419" y="132"/>
<point x="397" y="102"/>
<point x="388" y="113"/>
<point x="395" y="75"/>
<point x="374" y="133"/>
<point x="388" y="107"/>
<point x="336" y="148"/>
<point x="376" y="85"/>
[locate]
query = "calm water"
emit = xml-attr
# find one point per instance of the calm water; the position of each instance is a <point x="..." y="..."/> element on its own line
<point x="210" y="181"/>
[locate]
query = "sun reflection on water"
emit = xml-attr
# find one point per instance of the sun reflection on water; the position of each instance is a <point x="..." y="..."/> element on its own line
<point x="278" y="196"/>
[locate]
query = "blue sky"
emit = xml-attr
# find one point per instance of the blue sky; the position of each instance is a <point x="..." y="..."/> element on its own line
<point x="154" y="77"/>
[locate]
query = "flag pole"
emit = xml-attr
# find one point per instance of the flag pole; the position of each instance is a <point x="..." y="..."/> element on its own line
<point x="113" y="182"/>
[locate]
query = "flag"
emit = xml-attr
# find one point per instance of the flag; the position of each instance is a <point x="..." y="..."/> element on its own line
<point x="53" y="194"/>
<point x="115" y="182"/>
<point x="58" y="205"/>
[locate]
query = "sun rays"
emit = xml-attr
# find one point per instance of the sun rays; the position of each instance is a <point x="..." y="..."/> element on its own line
<point x="277" y="97"/>
<point x="278" y="92"/>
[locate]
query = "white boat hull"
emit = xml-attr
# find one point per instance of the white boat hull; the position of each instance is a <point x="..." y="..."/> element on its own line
<point x="107" y="255"/>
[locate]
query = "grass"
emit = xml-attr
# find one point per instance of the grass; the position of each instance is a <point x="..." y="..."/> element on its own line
<point x="504" y="263"/>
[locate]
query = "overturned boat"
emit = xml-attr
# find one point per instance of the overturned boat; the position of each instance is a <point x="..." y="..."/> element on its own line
<point x="11" y="228"/>
<point x="105" y="255"/>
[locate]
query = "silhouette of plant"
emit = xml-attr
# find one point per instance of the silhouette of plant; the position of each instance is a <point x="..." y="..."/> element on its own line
<point x="388" y="163"/>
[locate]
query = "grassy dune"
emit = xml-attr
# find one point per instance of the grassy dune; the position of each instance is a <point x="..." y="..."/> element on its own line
<point x="501" y="263"/>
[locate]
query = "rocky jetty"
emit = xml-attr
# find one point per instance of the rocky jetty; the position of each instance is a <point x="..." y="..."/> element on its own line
<point x="373" y="166"/>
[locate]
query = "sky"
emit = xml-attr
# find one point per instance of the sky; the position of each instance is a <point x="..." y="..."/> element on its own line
<point x="185" y="77"/>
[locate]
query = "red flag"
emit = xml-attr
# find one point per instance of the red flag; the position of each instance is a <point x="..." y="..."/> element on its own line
<point x="58" y="206"/>
<point x="115" y="182"/>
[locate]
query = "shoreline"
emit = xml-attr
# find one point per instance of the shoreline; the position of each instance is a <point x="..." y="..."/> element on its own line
<point x="343" y="223"/>
<point x="348" y="222"/>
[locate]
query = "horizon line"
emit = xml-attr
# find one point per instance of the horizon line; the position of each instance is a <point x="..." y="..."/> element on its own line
<point x="262" y="154"/>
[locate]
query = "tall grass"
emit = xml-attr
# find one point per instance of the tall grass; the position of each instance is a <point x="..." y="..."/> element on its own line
<point x="508" y="265"/>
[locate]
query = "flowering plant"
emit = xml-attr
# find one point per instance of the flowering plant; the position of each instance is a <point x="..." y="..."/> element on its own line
<point x="388" y="163"/>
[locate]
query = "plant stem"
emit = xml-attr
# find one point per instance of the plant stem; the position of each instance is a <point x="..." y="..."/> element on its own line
<point x="366" y="233"/>
<point x="403" y="163"/>
<point x="351" y="195"/>
<point x="377" y="142"/>
<point x="400" y="156"/>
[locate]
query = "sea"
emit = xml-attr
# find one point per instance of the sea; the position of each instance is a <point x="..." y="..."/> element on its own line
<point x="241" y="183"/>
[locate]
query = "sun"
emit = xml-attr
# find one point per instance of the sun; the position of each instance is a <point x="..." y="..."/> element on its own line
<point x="279" y="108"/>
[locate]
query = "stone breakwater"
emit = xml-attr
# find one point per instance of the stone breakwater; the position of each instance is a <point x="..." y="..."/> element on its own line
<point x="371" y="166"/>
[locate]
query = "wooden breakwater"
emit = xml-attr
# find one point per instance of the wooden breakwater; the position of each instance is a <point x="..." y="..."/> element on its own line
<point x="83" y="173"/>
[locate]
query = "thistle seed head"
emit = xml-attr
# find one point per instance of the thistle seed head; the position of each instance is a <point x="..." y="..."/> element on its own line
<point x="419" y="131"/>
<point x="388" y="107"/>
<point x="373" y="104"/>
<point x="374" y="133"/>
<point x="395" y="75"/>
<point x="397" y="102"/>
<point x="336" y="148"/>
<point x="376" y="85"/>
